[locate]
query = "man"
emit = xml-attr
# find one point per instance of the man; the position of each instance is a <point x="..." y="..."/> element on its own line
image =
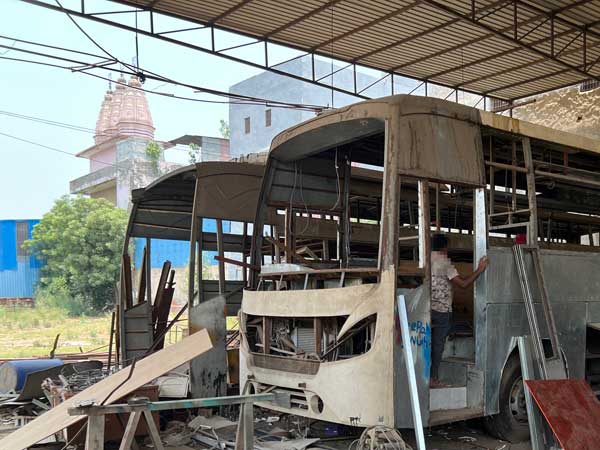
<point x="443" y="276"/>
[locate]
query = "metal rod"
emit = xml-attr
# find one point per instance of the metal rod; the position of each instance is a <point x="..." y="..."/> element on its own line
<point x="177" y="404"/>
<point x="570" y="178"/>
<point x="498" y="165"/>
<point x="532" y="235"/>
<point x="530" y="309"/>
<point x="410" y="372"/>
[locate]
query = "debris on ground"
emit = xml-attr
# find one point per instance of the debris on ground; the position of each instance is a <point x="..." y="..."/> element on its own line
<point x="381" y="437"/>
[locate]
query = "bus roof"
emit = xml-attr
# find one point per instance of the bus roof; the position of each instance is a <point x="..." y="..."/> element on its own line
<point x="374" y="113"/>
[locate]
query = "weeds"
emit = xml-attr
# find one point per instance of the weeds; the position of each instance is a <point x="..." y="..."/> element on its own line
<point x="26" y="332"/>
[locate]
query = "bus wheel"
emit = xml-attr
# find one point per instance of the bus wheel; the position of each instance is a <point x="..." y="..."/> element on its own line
<point x="510" y="424"/>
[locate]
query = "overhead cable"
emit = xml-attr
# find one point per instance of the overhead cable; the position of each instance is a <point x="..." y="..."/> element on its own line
<point x="241" y="99"/>
<point x="54" y="149"/>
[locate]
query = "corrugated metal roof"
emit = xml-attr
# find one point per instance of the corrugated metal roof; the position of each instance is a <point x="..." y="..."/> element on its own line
<point x="502" y="48"/>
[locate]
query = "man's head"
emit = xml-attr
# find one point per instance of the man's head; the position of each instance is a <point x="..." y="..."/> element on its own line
<point x="439" y="243"/>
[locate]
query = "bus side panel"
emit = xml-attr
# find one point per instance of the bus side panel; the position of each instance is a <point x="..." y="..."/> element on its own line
<point x="418" y="311"/>
<point x="571" y="284"/>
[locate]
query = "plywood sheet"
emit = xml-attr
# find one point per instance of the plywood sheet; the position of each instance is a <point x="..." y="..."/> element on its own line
<point x="571" y="409"/>
<point x="146" y="370"/>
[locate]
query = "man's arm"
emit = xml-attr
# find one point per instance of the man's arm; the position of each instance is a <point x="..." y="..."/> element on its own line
<point x="465" y="282"/>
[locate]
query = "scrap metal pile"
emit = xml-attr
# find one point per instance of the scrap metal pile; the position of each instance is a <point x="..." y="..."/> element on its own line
<point x="29" y="388"/>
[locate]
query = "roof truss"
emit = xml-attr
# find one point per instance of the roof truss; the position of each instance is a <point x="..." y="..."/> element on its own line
<point x="506" y="49"/>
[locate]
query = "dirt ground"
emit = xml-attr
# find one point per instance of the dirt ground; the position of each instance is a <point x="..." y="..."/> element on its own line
<point x="462" y="436"/>
<point x="467" y="435"/>
<point x="459" y="436"/>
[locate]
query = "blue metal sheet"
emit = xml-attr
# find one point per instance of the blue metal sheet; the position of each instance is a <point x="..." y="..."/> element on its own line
<point x="8" y="245"/>
<point x="178" y="252"/>
<point x="18" y="276"/>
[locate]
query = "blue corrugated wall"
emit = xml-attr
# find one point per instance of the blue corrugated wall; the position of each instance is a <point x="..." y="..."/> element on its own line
<point x="178" y="252"/>
<point x="18" y="278"/>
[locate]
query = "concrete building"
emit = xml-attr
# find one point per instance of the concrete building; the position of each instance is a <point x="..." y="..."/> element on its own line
<point x="19" y="271"/>
<point x="119" y="160"/>
<point x="252" y="127"/>
<point x="126" y="156"/>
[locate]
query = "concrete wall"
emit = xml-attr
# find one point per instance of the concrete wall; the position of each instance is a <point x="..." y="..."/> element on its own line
<point x="565" y="109"/>
<point x="281" y="88"/>
<point x="104" y="158"/>
<point x="110" y="194"/>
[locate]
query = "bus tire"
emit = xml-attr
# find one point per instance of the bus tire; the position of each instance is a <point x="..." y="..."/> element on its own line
<point x="510" y="424"/>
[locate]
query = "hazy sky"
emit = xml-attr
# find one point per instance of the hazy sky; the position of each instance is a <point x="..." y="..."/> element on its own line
<point x="32" y="177"/>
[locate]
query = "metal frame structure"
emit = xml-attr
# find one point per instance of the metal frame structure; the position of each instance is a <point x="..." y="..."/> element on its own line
<point x="504" y="49"/>
<point x="139" y="408"/>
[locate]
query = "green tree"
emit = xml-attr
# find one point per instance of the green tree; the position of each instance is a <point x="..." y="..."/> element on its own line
<point x="194" y="153"/>
<point x="224" y="128"/>
<point x="153" y="152"/>
<point x="80" y="240"/>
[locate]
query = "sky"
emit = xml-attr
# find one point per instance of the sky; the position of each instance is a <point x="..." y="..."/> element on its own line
<point x="32" y="177"/>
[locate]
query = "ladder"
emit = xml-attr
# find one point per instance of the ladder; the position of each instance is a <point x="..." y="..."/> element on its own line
<point x="552" y="367"/>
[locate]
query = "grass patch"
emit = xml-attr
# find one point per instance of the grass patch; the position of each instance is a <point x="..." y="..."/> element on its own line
<point x="26" y="332"/>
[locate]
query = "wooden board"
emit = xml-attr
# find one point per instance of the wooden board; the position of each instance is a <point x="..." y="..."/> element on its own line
<point x="146" y="370"/>
<point x="571" y="409"/>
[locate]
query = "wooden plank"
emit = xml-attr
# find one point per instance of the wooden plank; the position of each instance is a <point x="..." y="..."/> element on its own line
<point x="143" y="274"/>
<point x="129" y="435"/>
<point x="163" y="309"/>
<point x="148" y="249"/>
<point x="94" y="439"/>
<point x="571" y="409"/>
<point x="110" y="389"/>
<point x="221" y="252"/>
<point x="235" y="262"/>
<point x="160" y="291"/>
<point x="126" y="264"/>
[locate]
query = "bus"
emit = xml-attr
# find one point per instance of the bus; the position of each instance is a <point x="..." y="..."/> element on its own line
<point x="355" y="195"/>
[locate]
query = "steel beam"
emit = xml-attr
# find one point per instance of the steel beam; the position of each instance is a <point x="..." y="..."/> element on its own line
<point x="300" y="19"/>
<point x="501" y="35"/>
<point x="374" y="22"/>
<point x="424" y="33"/>
<point x="489" y="58"/>
<point x="212" y="26"/>
<point x="278" y="398"/>
<point x="230" y="11"/>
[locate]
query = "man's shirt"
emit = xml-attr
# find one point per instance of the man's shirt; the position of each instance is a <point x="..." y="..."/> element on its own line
<point x="442" y="271"/>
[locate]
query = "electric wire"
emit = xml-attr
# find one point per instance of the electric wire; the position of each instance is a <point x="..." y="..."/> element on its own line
<point x="239" y="99"/>
<point x="54" y="47"/>
<point x="143" y="74"/>
<point x="164" y="94"/>
<point x="48" y="122"/>
<point x="90" y="38"/>
<point x="54" y="149"/>
<point x="72" y="127"/>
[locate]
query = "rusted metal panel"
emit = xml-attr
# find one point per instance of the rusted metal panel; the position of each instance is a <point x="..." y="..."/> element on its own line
<point x="228" y="191"/>
<point x="437" y="147"/>
<point x="435" y="139"/>
<point x="571" y="409"/>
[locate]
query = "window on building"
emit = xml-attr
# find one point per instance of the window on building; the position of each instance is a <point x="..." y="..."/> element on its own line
<point x="22" y="234"/>
<point x="588" y="85"/>
<point x="268" y="118"/>
<point x="498" y="105"/>
<point x="247" y="125"/>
